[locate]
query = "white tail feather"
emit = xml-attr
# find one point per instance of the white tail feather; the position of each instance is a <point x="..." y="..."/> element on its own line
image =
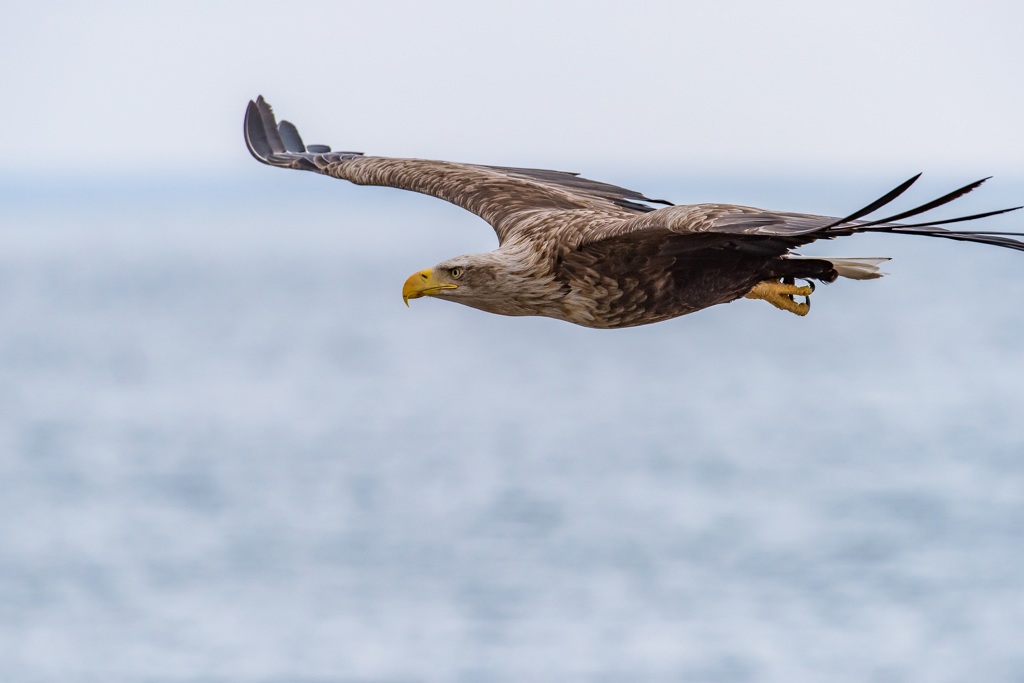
<point x="858" y="268"/>
<point x="853" y="268"/>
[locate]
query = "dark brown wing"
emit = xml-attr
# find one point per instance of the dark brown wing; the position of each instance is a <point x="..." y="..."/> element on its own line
<point x="779" y="231"/>
<point x="499" y="195"/>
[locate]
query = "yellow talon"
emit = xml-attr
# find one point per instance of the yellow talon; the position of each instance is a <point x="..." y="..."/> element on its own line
<point x="780" y="295"/>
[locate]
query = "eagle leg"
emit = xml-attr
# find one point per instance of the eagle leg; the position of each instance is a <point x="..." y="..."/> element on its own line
<point x="780" y="295"/>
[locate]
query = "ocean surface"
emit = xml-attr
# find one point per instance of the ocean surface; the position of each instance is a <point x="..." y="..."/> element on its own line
<point x="228" y="453"/>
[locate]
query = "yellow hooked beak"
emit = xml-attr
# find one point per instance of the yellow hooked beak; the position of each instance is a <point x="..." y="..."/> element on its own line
<point x="423" y="283"/>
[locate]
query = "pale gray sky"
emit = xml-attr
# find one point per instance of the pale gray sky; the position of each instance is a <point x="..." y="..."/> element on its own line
<point x="803" y="85"/>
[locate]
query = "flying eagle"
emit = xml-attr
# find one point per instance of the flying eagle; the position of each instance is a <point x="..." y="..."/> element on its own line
<point x="602" y="256"/>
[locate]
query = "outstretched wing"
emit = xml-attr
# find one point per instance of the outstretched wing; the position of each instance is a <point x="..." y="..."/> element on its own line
<point x="499" y="195"/>
<point x="750" y="228"/>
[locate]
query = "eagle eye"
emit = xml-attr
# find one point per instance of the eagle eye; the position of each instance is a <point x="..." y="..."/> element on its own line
<point x="456" y="273"/>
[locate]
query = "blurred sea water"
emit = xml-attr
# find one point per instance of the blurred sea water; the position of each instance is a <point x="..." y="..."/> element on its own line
<point x="228" y="453"/>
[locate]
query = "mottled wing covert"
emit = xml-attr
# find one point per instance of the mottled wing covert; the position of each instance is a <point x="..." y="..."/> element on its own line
<point x="502" y="196"/>
<point x="786" y="230"/>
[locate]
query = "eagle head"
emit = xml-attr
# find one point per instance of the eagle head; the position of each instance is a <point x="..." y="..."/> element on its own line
<point x="469" y="280"/>
<point x="500" y="281"/>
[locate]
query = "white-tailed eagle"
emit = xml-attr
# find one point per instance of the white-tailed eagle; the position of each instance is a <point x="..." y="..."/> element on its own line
<point x="602" y="256"/>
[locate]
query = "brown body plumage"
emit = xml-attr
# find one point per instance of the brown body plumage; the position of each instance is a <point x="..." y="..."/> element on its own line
<point x="599" y="255"/>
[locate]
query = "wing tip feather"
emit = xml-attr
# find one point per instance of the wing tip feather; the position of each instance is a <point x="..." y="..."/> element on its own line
<point x="254" y="131"/>
<point x="265" y="137"/>
<point x="885" y="199"/>
<point x="291" y="138"/>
